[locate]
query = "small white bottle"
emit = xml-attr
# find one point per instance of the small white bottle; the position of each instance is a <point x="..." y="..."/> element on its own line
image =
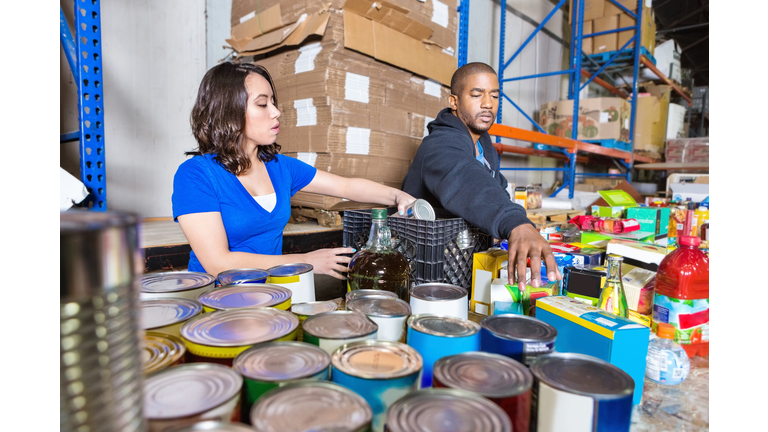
<point x="666" y="362"/>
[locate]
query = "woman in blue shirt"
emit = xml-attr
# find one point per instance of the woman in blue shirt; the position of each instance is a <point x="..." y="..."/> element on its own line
<point x="232" y="199"/>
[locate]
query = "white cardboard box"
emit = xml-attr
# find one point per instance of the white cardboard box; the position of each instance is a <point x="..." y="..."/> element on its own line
<point x="697" y="192"/>
<point x="675" y="121"/>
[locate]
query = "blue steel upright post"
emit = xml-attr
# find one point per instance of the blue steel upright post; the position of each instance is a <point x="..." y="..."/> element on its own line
<point x="502" y="31"/>
<point x="578" y="22"/>
<point x="90" y="102"/>
<point x="635" y="69"/>
<point x="463" y="31"/>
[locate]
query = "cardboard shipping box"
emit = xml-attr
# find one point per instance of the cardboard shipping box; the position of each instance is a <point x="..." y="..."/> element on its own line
<point x="651" y="119"/>
<point x="607" y="42"/>
<point x="599" y="118"/>
<point x="587" y="44"/>
<point x="593" y="9"/>
<point x="349" y="140"/>
<point x="375" y="168"/>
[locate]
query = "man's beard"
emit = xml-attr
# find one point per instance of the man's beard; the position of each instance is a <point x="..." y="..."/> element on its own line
<point x="469" y="120"/>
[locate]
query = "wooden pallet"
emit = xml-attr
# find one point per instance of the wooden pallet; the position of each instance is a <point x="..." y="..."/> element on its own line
<point x="546" y="217"/>
<point x="325" y="218"/>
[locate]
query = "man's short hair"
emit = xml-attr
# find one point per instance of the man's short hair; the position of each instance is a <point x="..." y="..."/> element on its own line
<point x="460" y="76"/>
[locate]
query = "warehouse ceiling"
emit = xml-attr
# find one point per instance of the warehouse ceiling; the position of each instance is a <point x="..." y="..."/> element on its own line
<point x="687" y="22"/>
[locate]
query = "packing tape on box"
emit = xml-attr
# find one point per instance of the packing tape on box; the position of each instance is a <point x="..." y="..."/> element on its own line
<point x="358" y="140"/>
<point x="306" y="112"/>
<point x="307" y="158"/>
<point x="245" y="18"/>
<point x="356" y="87"/>
<point x="440" y="13"/>
<point x="306" y="60"/>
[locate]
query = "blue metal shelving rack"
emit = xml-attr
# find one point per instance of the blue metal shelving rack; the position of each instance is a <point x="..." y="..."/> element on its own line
<point x="84" y="57"/>
<point x="574" y="79"/>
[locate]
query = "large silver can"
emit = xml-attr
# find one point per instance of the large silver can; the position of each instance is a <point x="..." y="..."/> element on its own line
<point x="101" y="372"/>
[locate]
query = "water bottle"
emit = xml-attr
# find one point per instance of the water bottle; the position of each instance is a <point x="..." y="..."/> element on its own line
<point x="667" y="362"/>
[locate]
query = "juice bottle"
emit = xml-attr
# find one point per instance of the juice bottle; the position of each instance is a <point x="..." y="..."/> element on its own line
<point x="682" y="295"/>
<point x="702" y="214"/>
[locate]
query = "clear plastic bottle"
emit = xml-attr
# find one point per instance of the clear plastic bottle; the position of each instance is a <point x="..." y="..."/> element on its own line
<point x="666" y="362"/>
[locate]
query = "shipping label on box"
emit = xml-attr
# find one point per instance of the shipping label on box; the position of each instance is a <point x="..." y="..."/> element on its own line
<point x="585" y="329"/>
<point x="651" y="219"/>
<point x="599" y="118"/>
<point x="486" y="266"/>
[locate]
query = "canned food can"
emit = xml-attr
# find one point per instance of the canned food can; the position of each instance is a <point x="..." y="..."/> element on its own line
<point x="167" y="315"/>
<point x="351" y="295"/>
<point x="160" y="351"/>
<point x="446" y="409"/>
<point x="580" y="393"/>
<point x="184" y="284"/>
<point x="299" y="278"/>
<point x="213" y="426"/>
<point x="270" y="365"/>
<point x="190" y="393"/>
<point x="420" y="209"/>
<point x="436" y="336"/>
<point x="246" y="296"/>
<point x="440" y="299"/>
<point x="308" y="309"/>
<point x="388" y="313"/>
<point x="503" y="381"/>
<point x="520" y="337"/>
<point x="331" y="330"/>
<point x="218" y="337"/>
<point x="242" y="276"/>
<point x="379" y="371"/>
<point x="311" y="406"/>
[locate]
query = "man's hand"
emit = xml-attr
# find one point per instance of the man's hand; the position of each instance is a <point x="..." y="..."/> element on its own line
<point x="524" y="242"/>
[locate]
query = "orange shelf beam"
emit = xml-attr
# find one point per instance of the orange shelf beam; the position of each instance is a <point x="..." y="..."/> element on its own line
<point x="647" y="63"/>
<point x="504" y="148"/>
<point x="610" y="88"/>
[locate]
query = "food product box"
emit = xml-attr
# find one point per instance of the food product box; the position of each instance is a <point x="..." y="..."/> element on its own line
<point x="486" y="266"/>
<point x="639" y="254"/>
<point x="646" y="320"/>
<point x="652" y="219"/>
<point x="521" y="196"/>
<point x="583" y="284"/>
<point x="601" y="240"/>
<point x="638" y="287"/>
<point x="614" y="212"/>
<point x="585" y="329"/>
<point x="588" y="257"/>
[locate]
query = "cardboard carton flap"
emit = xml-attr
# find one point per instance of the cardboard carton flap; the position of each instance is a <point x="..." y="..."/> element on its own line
<point x="259" y="24"/>
<point x="291" y="35"/>
<point x="617" y="198"/>
<point x="390" y="15"/>
<point x="389" y="45"/>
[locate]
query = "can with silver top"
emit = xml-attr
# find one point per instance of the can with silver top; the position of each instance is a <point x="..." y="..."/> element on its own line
<point x="420" y="209"/>
<point x="440" y="299"/>
<point x="331" y="330"/>
<point x="190" y="393"/>
<point x="445" y="410"/>
<point x="351" y="295"/>
<point x="167" y="315"/>
<point x="274" y="364"/>
<point x="311" y="406"/>
<point x="213" y="426"/>
<point x="246" y="296"/>
<point x="220" y="336"/>
<point x="242" y="276"/>
<point x="379" y="371"/>
<point x="580" y="393"/>
<point x="161" y="351"/>
<point x="500" y="379"/>
<point x="388" y="313"/>
<point x="185" y="284"/>
<point x="437" y="336"/>
<point x="299" y="278"/>
<point x="520" y="337"/>
<point x="306" y="310"/>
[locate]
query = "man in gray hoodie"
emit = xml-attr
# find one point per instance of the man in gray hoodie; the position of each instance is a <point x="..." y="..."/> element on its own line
<point x="456" y="168"/>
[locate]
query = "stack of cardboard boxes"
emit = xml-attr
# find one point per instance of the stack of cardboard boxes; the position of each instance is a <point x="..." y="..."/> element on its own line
<point x="603" y="15"/>
<point x="357" y="81"/>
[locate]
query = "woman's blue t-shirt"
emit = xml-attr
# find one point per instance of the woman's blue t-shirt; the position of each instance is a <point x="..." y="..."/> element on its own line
<point x="202" y="185"/>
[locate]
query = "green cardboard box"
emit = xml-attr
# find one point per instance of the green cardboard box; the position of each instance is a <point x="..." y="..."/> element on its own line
<point x="614" y="212"/>
<point x="652" y="219"/>
<point x="600" y="240"/>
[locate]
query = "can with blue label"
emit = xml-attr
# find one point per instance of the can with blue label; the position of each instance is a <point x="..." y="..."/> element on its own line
<point x="242" y="276"/>
<point x="437" y="336"/>
<point x="520" y="337"/>
<point x="379" y="371"/>
<point x="580" y="393"/>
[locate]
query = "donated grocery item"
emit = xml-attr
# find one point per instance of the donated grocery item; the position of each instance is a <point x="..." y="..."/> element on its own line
<point x="612" y="296"/>
<point x="651" y="219"/>
<point x="638" y="286"/>
<point x="331" y="330"/>
<point x="611" y="212"/>
<point x="439" y="299"/>
<point x="299" y="278"/>
<point x="160" y="351"/>
<point x="605" y="224"/>
<point x="167" y="315"/>
<point x="534" y="198"/>
<point x="435" y="337"/>
<point x="522" y="338"/>
<point x="486" y="266"/>
<point x="705" y="231"/>
<point x="645" y="320"/>
<point x="667" y="362"/>
<point x="677" y="215"/>
<point x="702" y="216"/>
<point x="242" y="276"/>
<point x="521" y="196"/>
<point x="682" y="296"/>
<point x="306" y="310"/>
<point x="689" y="227"/>
<point x="420" y="209"/>
<point x="587" y="257"/>
<point x="388" y="313"/>
<point x="351" y="295"/>
<point x="583" y="284"/>
<point x="379" y="265"/>
<point x="246" y="296"/>
<point x="637" y="251"/>
<point x="379" y="371"/>
<point x="585" y="329"/>
<point x="184" y="284"/>
<point x="580" y="393"/>
<point x="500" y="379"/>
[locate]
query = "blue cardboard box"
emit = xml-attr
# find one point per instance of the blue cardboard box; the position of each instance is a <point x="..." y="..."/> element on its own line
<point x="585" y="329"/>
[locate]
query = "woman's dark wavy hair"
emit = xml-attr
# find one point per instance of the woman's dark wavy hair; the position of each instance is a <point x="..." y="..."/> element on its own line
<point x="218" y="117"/>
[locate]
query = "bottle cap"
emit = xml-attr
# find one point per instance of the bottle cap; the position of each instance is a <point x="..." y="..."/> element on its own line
<point x="689" y="241"/>
<point x="379" y="213"/>
<point x="666" y="331"/>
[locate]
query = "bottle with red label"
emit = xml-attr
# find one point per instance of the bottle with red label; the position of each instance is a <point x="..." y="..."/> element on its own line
<point x="682" y="295"/>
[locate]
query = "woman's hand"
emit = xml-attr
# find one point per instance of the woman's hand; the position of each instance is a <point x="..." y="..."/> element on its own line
<point x="402" y="201"/>
<point x="325" y="261"/>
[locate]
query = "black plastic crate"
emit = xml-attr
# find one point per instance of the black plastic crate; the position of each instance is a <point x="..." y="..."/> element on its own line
<point x="432" y="248"/>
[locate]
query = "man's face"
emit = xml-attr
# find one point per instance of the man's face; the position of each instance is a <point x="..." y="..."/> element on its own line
<point x="478" y="102"/>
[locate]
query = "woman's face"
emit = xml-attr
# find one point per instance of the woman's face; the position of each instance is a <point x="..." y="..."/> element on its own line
<point x="261" y="114"/>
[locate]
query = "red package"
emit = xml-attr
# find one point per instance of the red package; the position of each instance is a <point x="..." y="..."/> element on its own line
<point x="622" y="226"/>
<point x="584" y="222"/>
<point x="563" y="247"/>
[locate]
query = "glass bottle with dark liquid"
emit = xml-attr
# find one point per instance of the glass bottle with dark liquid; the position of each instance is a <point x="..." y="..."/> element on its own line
<point x="378" y="265"/>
